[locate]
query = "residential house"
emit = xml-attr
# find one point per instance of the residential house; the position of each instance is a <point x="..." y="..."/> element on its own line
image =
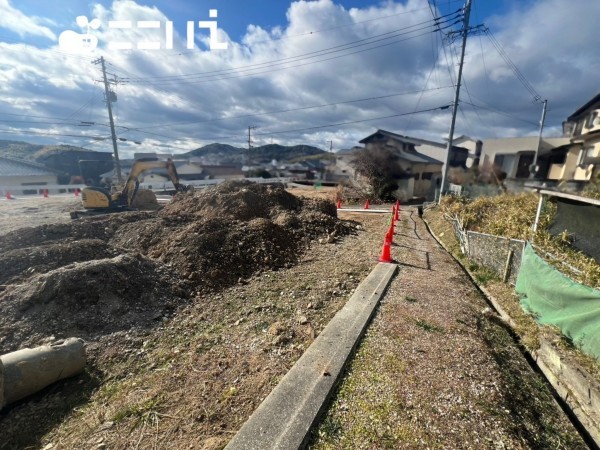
<point x="16" y="172"/>
<point x="514" y="156"/>
<point x="473" y="146"/>
<point x="223" y="171"/>
<point x="341" y="168"/>
<point x="423" y="173"/>
<point x="579" y="161"/>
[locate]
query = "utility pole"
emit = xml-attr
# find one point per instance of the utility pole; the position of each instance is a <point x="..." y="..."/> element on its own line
<point x="533" y="169"/>
<point x="108" y="94"/>
<point x="465" y="32"/>
<point x="250" y="128"/>
<point x="330" y="146"/>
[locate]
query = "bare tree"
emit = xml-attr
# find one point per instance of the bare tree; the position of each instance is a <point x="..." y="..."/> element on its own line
<point x="381" y="168"/>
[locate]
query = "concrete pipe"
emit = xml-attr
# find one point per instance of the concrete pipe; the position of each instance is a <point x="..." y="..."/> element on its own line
<point x="26" y="371"/>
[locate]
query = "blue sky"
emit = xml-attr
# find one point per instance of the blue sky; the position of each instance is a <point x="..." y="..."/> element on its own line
<point x="397" y="72"/>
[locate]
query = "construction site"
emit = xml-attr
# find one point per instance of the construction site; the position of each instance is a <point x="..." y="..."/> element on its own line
<point x="246" y="314"/>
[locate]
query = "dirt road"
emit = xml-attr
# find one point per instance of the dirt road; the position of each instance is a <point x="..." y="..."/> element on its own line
<point x="29" y="211"/>
<point x="438" y="370"/>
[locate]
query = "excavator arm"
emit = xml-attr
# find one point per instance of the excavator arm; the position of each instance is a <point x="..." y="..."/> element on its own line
<point x="95" y="198"/>
<point x="126" y="196"/>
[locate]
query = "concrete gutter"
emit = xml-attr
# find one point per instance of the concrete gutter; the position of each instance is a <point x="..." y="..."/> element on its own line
<point x="284" y="419"/>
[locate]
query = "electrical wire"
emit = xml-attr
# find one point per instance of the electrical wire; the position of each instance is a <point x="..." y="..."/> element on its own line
<point x="213" y="138"/>
<point x="536" y="96"/>
<point x="281" y="111"/>
<point x="324" y="30"/>
<point x="281" y="61"/>
<point x="498" y="111"/>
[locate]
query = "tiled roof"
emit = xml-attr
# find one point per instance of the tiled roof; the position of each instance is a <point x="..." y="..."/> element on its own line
<point x="17" y="167"/>
<point x="418" y="158"/>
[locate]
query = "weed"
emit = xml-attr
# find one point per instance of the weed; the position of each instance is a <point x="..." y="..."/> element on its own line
<point x="428" y="326"/>
<point x="410" y="299"/>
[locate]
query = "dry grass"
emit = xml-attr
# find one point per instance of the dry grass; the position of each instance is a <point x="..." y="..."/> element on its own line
<point x="512" y="216"/>
<point x="525" y="325"/>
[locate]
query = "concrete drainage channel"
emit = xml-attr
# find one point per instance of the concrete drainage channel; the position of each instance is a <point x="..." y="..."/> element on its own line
<point x="576" y="391"/>
<point x="285" y="418"/>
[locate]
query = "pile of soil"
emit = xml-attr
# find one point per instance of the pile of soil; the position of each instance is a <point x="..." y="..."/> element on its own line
<point x="220" y="235"/>
<point x="88" y="298"/>
<point x="98" y="275"/>
<point x="21" y="263"/>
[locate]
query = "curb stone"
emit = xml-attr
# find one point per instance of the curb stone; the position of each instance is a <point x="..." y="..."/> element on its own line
<point x="285" y="418"/>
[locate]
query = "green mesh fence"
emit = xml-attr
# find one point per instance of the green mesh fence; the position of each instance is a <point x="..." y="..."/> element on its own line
<point x="557" y="300"/>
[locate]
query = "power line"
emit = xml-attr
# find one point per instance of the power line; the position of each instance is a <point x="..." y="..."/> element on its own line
<point x="536" y="96"/>
<point x="497" y="111"/>
<point x="215" y="138"/>
<point x="269" y="71"/>
<point x="323" y="30"/>
<point x="291" y="59"/>
<point x="281" y="111"/>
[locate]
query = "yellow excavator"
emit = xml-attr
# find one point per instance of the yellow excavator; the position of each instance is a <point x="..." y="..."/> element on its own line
<point x="97" y="200"/>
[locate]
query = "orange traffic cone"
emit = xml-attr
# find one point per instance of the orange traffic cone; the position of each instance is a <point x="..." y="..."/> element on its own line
<point x="8" y="196"/>
<point x="367" y="204"/>
<point x="386" y="250"/>
<point x="339" y="203"/>
<point x="45" y="193"/>
<point x="76" y="192"/>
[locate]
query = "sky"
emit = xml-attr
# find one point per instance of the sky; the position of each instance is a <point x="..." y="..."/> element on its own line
<point x="320" y="72"/>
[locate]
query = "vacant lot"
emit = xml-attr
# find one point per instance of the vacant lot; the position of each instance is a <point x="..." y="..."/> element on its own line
<point x="169" y="373"/>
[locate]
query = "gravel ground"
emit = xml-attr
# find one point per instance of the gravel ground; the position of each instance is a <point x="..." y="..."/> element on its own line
<point x="30" y="211"/>
<point x="438" y="370"/>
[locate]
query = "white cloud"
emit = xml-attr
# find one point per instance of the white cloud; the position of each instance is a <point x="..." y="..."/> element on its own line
<point x="14" y="20"/>
<point x="264" y="72"/>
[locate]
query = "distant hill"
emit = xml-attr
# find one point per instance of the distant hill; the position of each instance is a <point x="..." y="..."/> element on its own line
<point x="35" y="152"/>
<point x="19" y="149"/>
<point x="264" y="153"/>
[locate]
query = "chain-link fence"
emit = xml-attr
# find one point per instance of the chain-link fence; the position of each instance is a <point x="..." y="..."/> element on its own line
<point x="499" y="254"/>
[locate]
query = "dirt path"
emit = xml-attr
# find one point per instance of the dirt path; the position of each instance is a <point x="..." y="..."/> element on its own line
<point x="29" y="211"/>
<point x="438" y="370"/>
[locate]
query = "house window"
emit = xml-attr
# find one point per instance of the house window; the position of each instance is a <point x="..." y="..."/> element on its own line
<point x="559" y="158"/>
<point x="591" y="119"/>
<point x="499" y="160"/>
<point x="578" y="127"/>
<point x="525" y="160"/>
<point x="426" y="175"/>
<point x="585" y="153"/>
<point x="581" y="157"/>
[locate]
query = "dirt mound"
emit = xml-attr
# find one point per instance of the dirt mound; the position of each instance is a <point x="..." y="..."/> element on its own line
<point x="219" y="235"/>
<point x="23" y="262"/>
<point x="74" y="284"/>
<point x="240" y="200"/>
<point x="95" y="227"/>
<point x="87" y="299"/>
